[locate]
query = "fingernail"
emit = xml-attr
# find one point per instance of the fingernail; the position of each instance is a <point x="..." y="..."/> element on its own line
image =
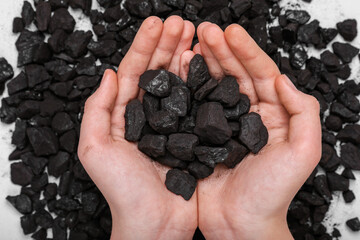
<point x="105" y="76"/>
<point x="289" y="82"/>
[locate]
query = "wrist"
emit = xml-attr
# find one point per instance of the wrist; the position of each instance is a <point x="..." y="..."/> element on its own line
<point x="129" y="228"/>
<point x="251" y="229"/>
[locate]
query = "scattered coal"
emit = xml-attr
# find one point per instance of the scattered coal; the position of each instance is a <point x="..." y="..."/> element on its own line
<point x="57" y="78"/>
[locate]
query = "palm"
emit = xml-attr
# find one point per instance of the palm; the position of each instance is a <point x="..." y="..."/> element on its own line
<point x="132" y="184"/>
<point x="262" y="185"/>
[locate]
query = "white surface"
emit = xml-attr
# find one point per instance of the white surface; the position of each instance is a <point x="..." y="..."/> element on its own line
<point x="329" y="12"/>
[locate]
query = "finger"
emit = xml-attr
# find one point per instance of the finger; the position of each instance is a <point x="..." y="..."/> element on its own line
<point x="197" y="49"/>
<point x="213" y="65"/>
<point x="184" y="44"/>
<point x="131" y="67"/>
<point x="215" y="40"/>
<point x="258" y="64"/>
<point x="170" y="37"/>
<point x="304" y="127"/>
<point x="184" y="63"/>
<point x="96" y="121"/>
<point x="137" y="59"/>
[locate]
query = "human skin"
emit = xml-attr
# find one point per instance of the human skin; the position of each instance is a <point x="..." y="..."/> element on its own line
<point x="133" y="185"/>
<point x="251" y="201"/>
<point x="247" y="202"/>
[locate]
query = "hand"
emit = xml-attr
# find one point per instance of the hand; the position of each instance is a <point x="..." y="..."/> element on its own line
<point x="141" y="206"/>
<point x="251" y="200"/>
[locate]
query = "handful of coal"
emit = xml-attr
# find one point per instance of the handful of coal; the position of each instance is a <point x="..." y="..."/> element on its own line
<point x="193" y="126"/>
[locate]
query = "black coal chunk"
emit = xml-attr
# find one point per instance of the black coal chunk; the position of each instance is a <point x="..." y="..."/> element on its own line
<point x="307" y="32"/>
<point x="345" y="51"/>
<point x="180" y="183"/>
<point x="18" y="25"/>
<point x="84" y="82"/>
<point x="310" y="198"/>
<point x="298" y="56"/>
<point x="178" y="101"/>
<point x="50" y="191"/>
<point x="253" y="133"/>
<point x="333" y="123"/>
<point x="153" y="145"/>
<point x="350" y="155"/>
<point x="62" y="122"/>
<point x="347" y="29"/>
<point x="37" y="164"/>
<point x="181" y="145"/>
<point x="187" y="124"/>
<point x="240" y="109"/>
<point x="43" y="140"/>
<point x="67" y="204"/>
<point x="27" y="13"/>
<point x="205" y="89"/>
<point x="211" y="125"/>
<point x="134" y="120"/>
<point x="39" y="182"/>
<point x="112" y="14"/>
<point x="19" y="83"/>
<point x="62" y="20"/>
<point x="22" y="203"/>
<point x="68" y="141"/>
<point x="348" y="174"/>
<point x="337" y="182"/>
<point x="6" y="71"/>
<point x="104" y="48"/>
<point x="43" y="15"/>
<point x="240" y="7"/>
<point x="350" y="133"/>
<point x="236" y="153"/>
<point x="211" y="155"/>
<point x="90" y="202"/>
<point x="28" y="223"/>
<point x="21" y="174"/>
<point x="171" y="161"/>
<point x="19" y="135"/>
<point x="58" y="164"/>
<point x="330" y="60"/>
<point x="156" y="82"/>
<point x="140" y="8"/>
<point x="85" y="5"/>
<point x="151" y="104"/>
<point x="199" y="170"/>
<point x="322" y="187"/>
<point x="343" y="112"/>
<point x="353" y="224"/>
<point x="36" y="74"/>
<point x="76" y="43"/>
<point x="59" y="229"/>
<point x="198" y="73"/>
<point x="348" y="196"/>
<point x="227" y="92"/>
<point x="350" y="101"/>
<point x="297" y="16"/>
<point x="164" y="122"/>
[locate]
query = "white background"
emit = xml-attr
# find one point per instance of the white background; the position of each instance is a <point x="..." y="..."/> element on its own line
<point x="329" y="12"/>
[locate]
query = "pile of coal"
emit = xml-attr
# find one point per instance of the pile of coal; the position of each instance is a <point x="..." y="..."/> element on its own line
<point x="193" y="126"/>
<point x="61" y="66"/>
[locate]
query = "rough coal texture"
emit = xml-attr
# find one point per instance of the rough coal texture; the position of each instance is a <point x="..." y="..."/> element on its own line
<point x="57" y="78"/>
<point x="180" y="183"/>
<point x="253" y="133"/>
<point x="135" y="120"/>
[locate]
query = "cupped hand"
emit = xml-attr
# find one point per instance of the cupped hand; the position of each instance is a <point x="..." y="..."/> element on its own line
<point x="251" y="200"/>
<point x="141" y="206"/>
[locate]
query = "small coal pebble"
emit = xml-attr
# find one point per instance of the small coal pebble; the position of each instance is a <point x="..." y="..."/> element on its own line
<point x="180" y="183"/>
<point x="353" y="224"/>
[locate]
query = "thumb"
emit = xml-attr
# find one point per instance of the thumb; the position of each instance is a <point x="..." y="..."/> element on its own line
<point x="95" y="126"/>
<point x="304" y="134"/>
